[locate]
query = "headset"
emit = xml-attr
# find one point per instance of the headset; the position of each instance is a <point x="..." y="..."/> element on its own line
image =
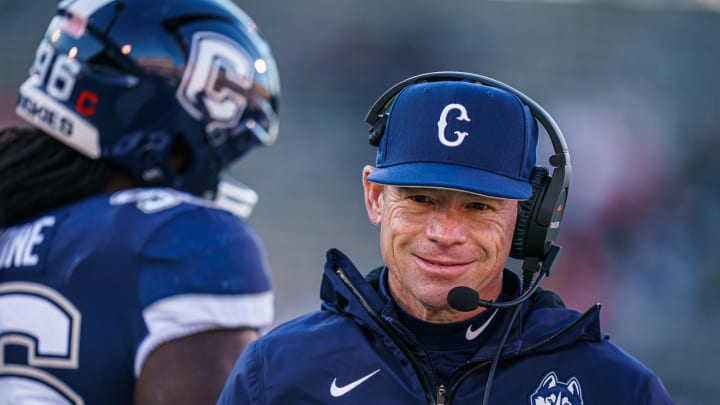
<point x="538" y="217"/>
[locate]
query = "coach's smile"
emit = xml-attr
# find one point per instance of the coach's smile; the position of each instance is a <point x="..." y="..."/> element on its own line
<point x="443" y="265"/>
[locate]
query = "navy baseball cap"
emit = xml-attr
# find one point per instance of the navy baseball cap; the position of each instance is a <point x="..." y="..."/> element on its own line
<point x="458" y="135"/>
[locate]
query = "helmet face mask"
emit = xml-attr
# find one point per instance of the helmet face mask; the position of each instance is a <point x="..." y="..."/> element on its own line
<point x="128" y="81"/>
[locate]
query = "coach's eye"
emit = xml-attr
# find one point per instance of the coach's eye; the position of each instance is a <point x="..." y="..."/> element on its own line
<point x="422" y="199"/>
<point x="479" y="206"/>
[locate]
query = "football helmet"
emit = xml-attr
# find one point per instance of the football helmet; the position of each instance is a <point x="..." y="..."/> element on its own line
<point x="135" y="81"/>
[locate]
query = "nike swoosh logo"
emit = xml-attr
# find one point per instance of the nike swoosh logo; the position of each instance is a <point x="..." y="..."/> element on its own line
<point x="471" y="334"/>
<point x="336" y="391"/>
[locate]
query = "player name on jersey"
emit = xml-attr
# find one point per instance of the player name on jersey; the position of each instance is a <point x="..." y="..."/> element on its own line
<point x="17" y="244"/>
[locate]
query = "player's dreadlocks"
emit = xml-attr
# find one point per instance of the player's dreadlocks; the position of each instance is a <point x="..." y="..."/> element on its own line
<point x="38" y="173"/>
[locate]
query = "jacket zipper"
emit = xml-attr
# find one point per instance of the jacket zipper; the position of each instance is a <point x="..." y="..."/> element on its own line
<point x="403" y="347"/>
<point x="441" y="395"/>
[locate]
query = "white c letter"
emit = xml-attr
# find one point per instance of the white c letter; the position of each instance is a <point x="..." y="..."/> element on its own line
<point x="442" y="123"/>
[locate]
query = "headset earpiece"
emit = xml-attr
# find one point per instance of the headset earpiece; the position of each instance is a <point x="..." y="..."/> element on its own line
<point x="539" y="181"/>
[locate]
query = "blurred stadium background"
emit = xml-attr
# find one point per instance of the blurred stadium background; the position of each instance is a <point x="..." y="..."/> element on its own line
<point x="634" y="85"/>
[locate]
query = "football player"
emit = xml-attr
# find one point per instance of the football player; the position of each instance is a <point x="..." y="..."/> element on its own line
<point x="127" y="273"/>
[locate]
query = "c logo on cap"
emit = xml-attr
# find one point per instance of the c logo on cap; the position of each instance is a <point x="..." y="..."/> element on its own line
<point x="442" y="123"/>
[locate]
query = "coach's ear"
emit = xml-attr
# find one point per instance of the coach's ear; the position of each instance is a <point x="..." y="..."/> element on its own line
<point x="373" y="196"/>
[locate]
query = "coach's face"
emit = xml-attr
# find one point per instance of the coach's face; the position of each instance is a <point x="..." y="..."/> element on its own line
<point x="435" y="239"/>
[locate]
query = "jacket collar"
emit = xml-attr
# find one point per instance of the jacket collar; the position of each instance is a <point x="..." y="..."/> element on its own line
<point x="544" y="323"/>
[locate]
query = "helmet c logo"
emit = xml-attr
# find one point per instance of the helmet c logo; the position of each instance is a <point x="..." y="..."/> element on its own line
<point x="442" y="123"/>
<point x="214" y="86"/>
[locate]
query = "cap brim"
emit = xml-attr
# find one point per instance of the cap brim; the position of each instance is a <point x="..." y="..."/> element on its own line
<point x="461" y="178"/>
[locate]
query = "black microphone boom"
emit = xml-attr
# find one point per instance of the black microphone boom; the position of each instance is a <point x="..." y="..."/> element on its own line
<point x="466" y="299"/>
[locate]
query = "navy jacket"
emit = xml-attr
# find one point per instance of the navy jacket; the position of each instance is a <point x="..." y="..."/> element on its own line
<point x="354" y="351"/>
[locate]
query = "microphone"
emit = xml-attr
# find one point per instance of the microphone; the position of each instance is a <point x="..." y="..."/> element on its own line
<point x="463" y="299"/>
<point x="466" y="299"/>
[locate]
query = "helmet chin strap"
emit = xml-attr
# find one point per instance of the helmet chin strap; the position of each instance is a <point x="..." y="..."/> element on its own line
<point x="235" y="197"/>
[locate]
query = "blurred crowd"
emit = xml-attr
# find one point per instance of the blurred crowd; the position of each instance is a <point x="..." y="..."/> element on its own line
<point x="634" y="87"/>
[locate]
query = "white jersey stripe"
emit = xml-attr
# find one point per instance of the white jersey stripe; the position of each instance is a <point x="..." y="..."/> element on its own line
<point x="183" y="315"/>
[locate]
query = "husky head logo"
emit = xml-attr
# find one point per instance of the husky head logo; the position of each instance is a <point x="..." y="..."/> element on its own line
<point x="554" y="392"/>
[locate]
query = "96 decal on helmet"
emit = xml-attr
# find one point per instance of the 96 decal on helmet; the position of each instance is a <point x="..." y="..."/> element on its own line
<point x="135" y="81"/>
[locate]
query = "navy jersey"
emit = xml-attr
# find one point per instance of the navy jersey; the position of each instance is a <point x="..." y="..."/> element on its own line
<point x="89" y="290"/>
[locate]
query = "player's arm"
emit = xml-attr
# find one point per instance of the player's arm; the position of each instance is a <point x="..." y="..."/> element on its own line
<point x="205" y="290"/>
<point x="192" y="369"/>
